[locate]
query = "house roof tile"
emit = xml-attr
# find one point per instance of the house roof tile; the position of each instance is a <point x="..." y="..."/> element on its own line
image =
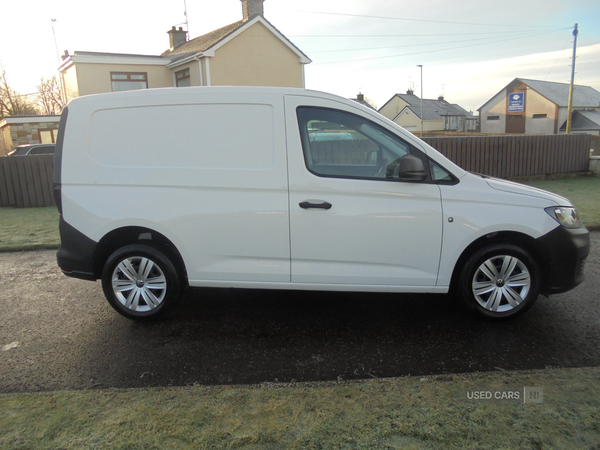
<point x="558" y="93"/>
<point x="436" y="109"/>
<point x="204" y="42"/>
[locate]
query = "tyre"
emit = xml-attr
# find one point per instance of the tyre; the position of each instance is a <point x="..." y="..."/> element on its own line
<point x="500" y="281"/>
<point x="140" y="282"/>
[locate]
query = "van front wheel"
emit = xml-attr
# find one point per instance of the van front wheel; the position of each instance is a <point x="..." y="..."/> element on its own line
<point x="140" y="282"/>
<point x="500" y="281"/>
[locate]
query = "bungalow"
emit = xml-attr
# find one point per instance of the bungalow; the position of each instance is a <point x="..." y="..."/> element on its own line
<point x="438" y="115"/>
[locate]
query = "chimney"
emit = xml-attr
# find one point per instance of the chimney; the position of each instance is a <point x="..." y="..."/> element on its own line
<point x="252" y="8"/>
<point x="360" y="97"/>
<point x="177" y="37"/>
<point x="410" y="92"/>
<point x="441" y="98"/>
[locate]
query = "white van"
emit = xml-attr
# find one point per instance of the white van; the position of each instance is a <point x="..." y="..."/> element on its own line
<point x="228" y="187"/>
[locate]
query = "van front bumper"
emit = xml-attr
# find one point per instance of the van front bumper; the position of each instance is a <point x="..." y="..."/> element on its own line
<point x="76" y="254"/>
<point x="565" y="251"/>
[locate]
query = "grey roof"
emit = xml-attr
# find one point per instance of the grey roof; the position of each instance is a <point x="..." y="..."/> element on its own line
<point x="411" y="99"/>
<point x="204" y="42"/>
<point x="584" y="121"/>
<point x="209" y="40"/>
<point x="558" y="93"/>
<point x="433" y="109"/>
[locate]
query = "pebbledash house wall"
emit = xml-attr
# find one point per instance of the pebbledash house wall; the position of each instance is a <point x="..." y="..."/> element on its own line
<point x="94" y="78"/>
<point x="272" y="61"/>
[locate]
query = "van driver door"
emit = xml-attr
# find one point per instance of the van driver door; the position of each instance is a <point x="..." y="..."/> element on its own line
<point x="352" y="221"/>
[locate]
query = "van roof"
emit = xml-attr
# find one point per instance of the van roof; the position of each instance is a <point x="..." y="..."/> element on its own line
<point x="158" y="92"/>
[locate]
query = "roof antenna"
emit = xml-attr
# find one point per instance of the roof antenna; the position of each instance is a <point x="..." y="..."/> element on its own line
<point x="187" y="25"/>
<point x="53" y="21"/>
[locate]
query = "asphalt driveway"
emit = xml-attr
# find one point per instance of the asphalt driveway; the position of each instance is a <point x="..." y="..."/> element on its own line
<point x="60" y="333"/>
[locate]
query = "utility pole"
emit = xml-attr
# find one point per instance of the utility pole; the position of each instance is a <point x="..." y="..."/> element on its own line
<point x="570" y="107"/>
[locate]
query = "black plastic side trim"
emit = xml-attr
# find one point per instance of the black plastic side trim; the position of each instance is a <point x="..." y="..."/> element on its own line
<point x="58" y="152"/>
<point x="76" y="254"/>
<point x="567" y="250"/>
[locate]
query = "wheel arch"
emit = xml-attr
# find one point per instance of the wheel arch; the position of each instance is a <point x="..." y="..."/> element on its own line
<point x="121" y="237"/>
<point x="524" y="241"/>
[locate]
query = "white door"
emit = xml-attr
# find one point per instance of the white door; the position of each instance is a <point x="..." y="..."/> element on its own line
<point x="351" y="221"/>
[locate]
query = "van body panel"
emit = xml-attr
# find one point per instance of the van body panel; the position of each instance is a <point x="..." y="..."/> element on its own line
<point x="220" y="195"/>
<point x="280" y="188"/>
<point x="494" y="212"/>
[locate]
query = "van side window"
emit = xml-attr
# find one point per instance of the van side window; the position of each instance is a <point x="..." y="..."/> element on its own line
<point x="438" y="173"/>
<point x="340" y="144"/>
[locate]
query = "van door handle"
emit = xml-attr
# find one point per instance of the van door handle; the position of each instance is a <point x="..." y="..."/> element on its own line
<point x="309" y="205"/>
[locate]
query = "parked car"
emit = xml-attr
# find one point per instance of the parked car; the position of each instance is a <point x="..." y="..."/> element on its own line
<point x="33" y="149"/>
<point x="223" y="187"/>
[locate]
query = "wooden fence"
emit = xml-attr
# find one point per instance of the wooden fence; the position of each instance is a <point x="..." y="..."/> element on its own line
<point x="26" y="181"/>
<point x="517" y="156"/>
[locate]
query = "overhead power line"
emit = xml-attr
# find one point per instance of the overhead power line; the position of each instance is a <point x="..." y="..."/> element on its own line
<point x="434" y="51"/>
<point x="396" y="46"/>
<point x="520" y="25"/>
<point x="410" y="34"/>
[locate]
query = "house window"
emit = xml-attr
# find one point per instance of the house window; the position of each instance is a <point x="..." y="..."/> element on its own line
<point x="493" y="117"/>
<point x="122" y="81"/>
<point x="182" y="78"/>
<point x="540" y="116"/>
<point x="48" y="136"/>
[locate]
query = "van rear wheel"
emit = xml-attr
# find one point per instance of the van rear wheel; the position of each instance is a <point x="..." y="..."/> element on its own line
<point x="140" y="282"/>
<point x="501" y="281"/>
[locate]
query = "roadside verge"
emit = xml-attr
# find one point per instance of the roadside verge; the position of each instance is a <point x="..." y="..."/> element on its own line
<point x="468" y="411"/>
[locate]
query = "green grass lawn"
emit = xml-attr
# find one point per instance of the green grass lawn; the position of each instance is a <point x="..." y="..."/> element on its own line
<point x="584" y="192"/>
<point x="28" y="228"/>
<point x="409" y="413"/>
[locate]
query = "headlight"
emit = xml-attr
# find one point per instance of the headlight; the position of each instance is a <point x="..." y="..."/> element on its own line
<point x="566" y="216"/>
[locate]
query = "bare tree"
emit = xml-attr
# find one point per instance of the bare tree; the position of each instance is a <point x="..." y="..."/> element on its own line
<point x="11" y="102"/>
<point x="49" y="96"/>
<point x="371" y="102"/>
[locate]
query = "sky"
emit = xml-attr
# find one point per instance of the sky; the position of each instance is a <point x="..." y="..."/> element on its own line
<point x="469" y="49"/>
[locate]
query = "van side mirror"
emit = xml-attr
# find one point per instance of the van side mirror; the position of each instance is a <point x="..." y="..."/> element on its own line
<point x="410" y="168"/>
